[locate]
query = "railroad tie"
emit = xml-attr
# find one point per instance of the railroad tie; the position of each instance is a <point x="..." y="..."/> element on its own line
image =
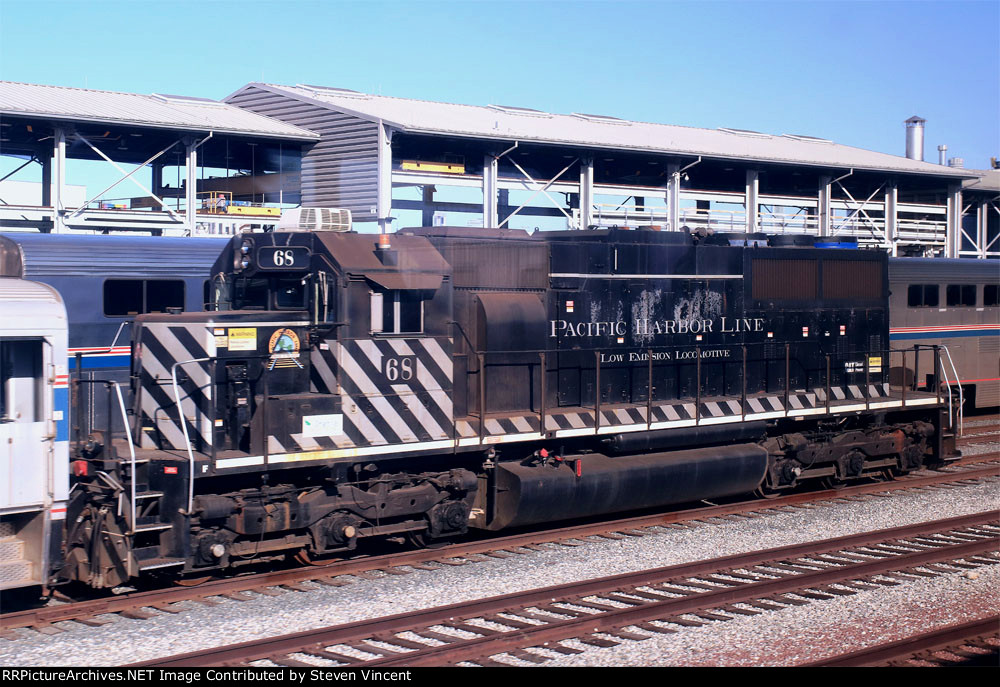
<point x="621" y="598"/>
<point x="708" y="615"/>
<point x="560" y="649"/>
<point x="331" y="581"/>
<point x="472" y="629"/>
<point x="659" y="629"/>
<point x="267" y="591"/>
<point x="398" y="641"/>
<point x="289" y="662"/>
<point x="508" y="622"/>
<point x="594" y="640"/>
<point x="321" y="652"/>
<point x="626" y="634"/>
<point x="559" y="610"/>
<point x="683" y="622"/>
<point x="168" y="608"/>
<point x="736" y="610"/>
<point x="431" y="634"/>
<point x="595" y="605"/>
<point x="527" y="656"/>
<point x="91" y="622"/>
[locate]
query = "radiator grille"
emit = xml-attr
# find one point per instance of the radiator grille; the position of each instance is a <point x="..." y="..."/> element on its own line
<point x="789" y="280"/>
<point x="852" y="279"/>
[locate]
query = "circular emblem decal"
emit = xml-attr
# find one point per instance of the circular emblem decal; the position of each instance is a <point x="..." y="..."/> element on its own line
<point x="284" y="348"/>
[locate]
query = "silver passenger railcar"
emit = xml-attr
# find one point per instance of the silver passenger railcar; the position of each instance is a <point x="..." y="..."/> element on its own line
<point x="954" y="304"/>
<point x="34" y="432"/>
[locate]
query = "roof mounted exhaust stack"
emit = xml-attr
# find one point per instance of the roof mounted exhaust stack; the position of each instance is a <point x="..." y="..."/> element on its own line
<point x="915" y="138"/>
<point x="942" y="154"/>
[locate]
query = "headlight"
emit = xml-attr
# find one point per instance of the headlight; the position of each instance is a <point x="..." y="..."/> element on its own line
<point x="241" y="260"/>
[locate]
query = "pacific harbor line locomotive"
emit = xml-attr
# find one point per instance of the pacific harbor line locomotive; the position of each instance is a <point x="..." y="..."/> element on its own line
<point x="416" y="384"/>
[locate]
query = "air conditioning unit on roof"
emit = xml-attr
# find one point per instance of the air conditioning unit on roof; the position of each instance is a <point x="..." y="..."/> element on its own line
<point x="314" y="219"/>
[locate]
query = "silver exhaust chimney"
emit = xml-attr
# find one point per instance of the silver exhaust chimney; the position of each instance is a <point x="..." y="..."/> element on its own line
<point x="915" y="138"/>
<point x="942" y="153"/>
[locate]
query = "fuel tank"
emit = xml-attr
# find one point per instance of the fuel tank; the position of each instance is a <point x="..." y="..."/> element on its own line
<point x="595" y="484"/>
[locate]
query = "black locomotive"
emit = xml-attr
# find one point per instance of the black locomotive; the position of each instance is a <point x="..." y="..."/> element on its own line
<point x="416" y="384"/>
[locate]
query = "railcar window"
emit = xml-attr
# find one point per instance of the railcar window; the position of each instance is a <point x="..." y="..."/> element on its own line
<point x="127" y="297"/>
<point x="21" y="381"/>
<point x="252" y="294"/>
<point x="961" y="294"/>
<point x="922" y="296"/>
<point x="991" y="294"/>
<point x="122" y="297"/>
<point x="289" y="294"/>
<point x="162" y="294"/>
<point x="397" y="312"/>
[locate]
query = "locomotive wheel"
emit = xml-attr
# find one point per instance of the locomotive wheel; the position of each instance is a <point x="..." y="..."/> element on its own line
<point x="418" y="538"/>
<point x="303" y="557"/>
<point x="765" y="492"/>
<point x="193" y="581"/>
<point x="832" y="482"/>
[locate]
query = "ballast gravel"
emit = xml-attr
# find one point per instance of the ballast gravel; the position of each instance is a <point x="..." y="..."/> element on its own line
<point x="784" y="637"/>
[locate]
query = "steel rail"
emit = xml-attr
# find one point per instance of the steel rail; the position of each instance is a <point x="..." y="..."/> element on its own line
<point x="534" y="635"/>
<point x="936" y="640"/>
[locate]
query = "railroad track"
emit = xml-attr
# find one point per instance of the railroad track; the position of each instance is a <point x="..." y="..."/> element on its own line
<point x="534" y="625"/>
<point x="145" y="604"/>
<point x="980" y="434"/>
<point x="973" y="643"/>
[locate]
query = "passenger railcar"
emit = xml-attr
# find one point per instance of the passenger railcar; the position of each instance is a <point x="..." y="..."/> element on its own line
<point x="955" y="304"/>
<point x="34" y="434"/>
<point x="105" y="282"/>
<point x="347" y="386"/>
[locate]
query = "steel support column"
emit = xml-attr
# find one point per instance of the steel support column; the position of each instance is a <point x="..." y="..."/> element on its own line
<point x="674" y="197"/>
<point x="982" y="229"/>
<point x="586" y="192"/>
<point x="891" y="228"/>
<point x="191" y="184"/>
<point x="427" y="212"/>
<point x="59" y="185"/>
<point x="752" y="199"/>
<point x="953" y="225"/>
<point x="383" y="208"/>
<point x="45" y="160"/>
<point x="491" y="217"/>
<point x="823" y="206"/>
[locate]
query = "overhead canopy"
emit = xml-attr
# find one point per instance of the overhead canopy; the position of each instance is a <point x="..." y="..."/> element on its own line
<point x="136" y="109"/>
<point x="504" y="123"/>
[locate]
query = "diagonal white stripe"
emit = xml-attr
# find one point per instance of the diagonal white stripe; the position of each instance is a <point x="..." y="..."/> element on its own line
<point x="440" y="357"/>
<point x="371" y="392"/>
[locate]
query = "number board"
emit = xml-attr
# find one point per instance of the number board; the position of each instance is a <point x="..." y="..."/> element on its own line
<point x="283" y="258"/>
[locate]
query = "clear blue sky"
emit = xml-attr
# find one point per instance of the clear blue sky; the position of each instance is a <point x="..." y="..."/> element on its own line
<point x="848" y="71"/>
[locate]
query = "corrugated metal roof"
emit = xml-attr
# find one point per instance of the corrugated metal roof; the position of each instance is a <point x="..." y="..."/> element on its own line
<point x="520" y="124"/>
<point x="989" y="181"/>
<point x="159" y="111"/>
<point x="60" y="255"/>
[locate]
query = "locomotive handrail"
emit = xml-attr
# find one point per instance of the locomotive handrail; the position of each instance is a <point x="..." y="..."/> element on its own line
<point x="131" y="450"/>
<point x="958" y="383"/>
<point x="187" y="438"/>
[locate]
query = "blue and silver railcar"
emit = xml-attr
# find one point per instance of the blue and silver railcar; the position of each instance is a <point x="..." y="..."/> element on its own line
<point x="105" y="282"/>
